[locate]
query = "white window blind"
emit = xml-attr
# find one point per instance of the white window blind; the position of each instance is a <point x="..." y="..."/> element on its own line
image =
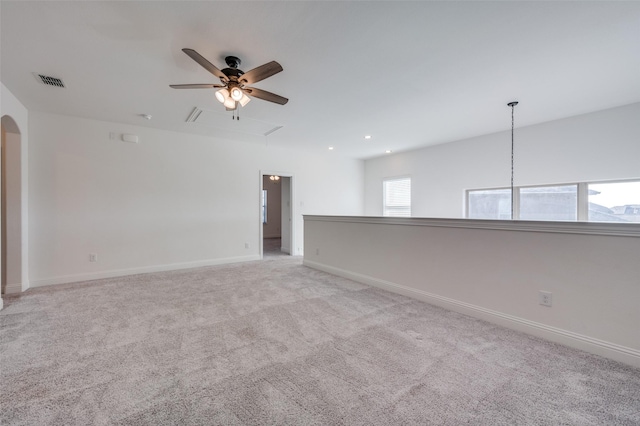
<point x="397" y="197"/>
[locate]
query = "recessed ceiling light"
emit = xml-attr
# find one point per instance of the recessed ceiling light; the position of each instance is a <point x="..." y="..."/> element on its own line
<point x="330" y="148"/>
<point x="388" y="151"/>
<point x="367" y="137"/>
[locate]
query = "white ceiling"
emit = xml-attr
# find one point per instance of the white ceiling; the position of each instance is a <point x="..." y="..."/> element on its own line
<point x="410" y="74"/>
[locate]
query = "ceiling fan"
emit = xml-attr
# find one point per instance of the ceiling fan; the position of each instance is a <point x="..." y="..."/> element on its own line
<point x="234" y="89"/>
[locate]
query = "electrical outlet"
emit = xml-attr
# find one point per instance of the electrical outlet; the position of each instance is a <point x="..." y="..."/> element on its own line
<point x="246" y="245"/>
<point x="93" y="257"/>
<point x="317" y="251"/>
<point x="545" y="298"/>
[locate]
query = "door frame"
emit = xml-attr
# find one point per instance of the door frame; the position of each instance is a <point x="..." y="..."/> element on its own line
<point x="14" y="151"/>
<point x="292" y="207"/>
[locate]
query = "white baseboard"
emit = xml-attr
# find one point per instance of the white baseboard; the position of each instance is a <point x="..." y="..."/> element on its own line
<point x="589" y="344"/>
<point x="1" y="303"/>
<point x="65" y="279"/>
<point x="15" y="288"/>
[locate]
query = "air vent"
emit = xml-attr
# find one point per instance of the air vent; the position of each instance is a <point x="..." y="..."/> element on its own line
<point x="51" y="81"/>
<point x="223" y="121"/>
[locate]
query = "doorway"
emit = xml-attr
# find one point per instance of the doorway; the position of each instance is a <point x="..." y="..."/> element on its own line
<point x="276" y="218"/>
<point x="11" y="206"/>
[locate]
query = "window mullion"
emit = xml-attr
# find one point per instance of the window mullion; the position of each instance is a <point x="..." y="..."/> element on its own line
<point x="516" y="203"/>
<point x="583" y="202"/>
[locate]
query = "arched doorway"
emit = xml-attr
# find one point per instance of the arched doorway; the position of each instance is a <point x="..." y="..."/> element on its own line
<point x="11" y="206"/>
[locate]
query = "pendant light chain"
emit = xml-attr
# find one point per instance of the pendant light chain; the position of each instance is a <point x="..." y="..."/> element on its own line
<point x="512" y="105"/>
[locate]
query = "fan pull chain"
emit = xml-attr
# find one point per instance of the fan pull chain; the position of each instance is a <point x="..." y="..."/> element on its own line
<point x="236" y="113"/>
<point x="512" y="105"/>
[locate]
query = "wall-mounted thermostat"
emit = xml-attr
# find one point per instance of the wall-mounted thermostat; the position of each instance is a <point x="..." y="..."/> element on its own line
<point x="130" y="138"/>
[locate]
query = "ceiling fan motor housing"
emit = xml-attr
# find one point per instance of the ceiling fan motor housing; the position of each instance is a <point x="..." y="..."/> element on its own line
<point x="232" y="73"/>
<point x="233" y="62"/>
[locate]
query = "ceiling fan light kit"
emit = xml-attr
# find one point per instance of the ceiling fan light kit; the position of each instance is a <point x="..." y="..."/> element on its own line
<point x="234" y="89"/>
<point x="244" y="100"/>
<point x="229" y="104"/>
<point x="222" y="95"/>
<point x="236" y="94"/>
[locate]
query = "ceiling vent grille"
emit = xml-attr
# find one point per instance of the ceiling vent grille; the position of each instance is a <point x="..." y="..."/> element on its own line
<point x="51" y="81"/>
<point x="222" y="121"/>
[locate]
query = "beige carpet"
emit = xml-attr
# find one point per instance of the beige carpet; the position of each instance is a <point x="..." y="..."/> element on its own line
<point x="272" y="247"/>
<point x="273" y="342"/>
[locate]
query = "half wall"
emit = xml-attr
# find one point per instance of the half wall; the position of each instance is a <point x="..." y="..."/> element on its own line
<point x="494" y="270"/>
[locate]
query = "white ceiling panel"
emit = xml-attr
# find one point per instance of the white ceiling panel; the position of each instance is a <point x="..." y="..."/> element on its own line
<point x="410" y="74"/>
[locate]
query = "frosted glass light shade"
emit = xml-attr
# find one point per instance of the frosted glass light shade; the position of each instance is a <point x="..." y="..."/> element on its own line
<point x="244" y="100"/>
<point x="236" y="94"/>
<point x="222" y="95"/>
<point x="230" y="103"/>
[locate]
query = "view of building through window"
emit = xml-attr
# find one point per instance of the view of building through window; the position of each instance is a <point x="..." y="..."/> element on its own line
<point x="489" y="204"/>
<point x="604" y="202"/>
<point x="549" y="203"/>
<point x="614" y="202"/>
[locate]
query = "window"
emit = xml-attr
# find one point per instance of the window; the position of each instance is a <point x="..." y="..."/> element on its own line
<point x="397" y="197"/>
<point x="264" y="206"/>
<point x="489" y="204"/>
<point x="614" y="202"/>
<point x="593" y="202"/>
<point x="549" y="203"/>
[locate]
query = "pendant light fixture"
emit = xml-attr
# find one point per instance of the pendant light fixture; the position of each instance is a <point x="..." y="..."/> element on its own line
<point x="512" y="105"/>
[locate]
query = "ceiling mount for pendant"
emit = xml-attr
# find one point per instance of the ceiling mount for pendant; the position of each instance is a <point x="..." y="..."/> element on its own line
<point x="233" y="61"/>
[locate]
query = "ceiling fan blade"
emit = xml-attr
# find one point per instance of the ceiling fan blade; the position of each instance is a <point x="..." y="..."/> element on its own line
<point x="194" y="86"/>
<point x="264" y="95"/>
<point x="205" y="64"/>
<point x="260" y="73"/>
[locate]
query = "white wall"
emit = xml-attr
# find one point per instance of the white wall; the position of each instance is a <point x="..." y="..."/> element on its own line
<point x="495" y="269"/>
<point x="603" y="145"/>
<point x="274" y="208"/>
<point x="172" y="200"/>
<point x="11" y="107"/>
